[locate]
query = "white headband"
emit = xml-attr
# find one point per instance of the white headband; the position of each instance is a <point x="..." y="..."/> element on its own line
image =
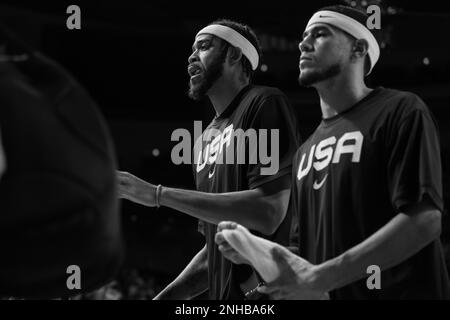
<point x="235" y="39"/>
<point x="351" y="26"/>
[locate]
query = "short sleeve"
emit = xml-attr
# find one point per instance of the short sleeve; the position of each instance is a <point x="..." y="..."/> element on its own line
<point x="276" y="118"/>
<point x="414" y="165"/>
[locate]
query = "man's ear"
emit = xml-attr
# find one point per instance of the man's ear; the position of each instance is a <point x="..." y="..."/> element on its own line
<point x="234" y="55"/>
<point x="360" y="47"/>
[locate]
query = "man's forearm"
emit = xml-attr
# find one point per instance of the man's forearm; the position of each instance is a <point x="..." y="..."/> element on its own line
<point x="251" y="208"/>
<point x="192" y="281"/>
<point x="261" y="209"/>
<point x="398" y="240"/>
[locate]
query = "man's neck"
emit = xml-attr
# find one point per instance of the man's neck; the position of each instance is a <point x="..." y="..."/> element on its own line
<point x="223" y="92"/>
<point x="340" y="93"/>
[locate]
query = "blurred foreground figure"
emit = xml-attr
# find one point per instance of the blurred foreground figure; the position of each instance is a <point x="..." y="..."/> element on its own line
<point x="58" y="204"/>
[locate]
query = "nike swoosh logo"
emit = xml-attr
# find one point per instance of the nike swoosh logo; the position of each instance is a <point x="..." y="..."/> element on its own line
<point x="317" y="186"/>
<point x="320" y="16"/>
<point x="210" y="174"/>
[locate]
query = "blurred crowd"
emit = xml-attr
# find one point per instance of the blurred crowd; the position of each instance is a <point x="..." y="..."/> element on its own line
<point x="130" y="284"/>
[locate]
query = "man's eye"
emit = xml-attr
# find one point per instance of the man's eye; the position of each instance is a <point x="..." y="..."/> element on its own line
<point x="319" y="34"/>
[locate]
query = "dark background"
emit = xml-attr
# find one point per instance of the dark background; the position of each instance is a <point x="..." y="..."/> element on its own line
<point x="132" y="58"/>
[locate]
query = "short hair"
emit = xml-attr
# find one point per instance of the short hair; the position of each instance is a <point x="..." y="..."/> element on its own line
<point x="249" y="34"/>
<point x="359" y="16"/>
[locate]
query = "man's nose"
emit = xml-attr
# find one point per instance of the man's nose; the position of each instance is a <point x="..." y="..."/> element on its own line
<point x="193" y="57"/>
<point x="304" y="45"/>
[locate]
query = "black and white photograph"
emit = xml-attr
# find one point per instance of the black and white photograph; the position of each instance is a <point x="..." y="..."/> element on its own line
<point x="230" y="154"/>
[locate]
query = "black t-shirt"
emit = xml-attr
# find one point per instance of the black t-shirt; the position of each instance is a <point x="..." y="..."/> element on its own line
<point x="355" y="173"/>
<point x="254" y="108"/>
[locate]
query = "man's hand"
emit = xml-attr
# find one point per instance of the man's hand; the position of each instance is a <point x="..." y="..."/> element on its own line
<point x="135" y="189"/>
<point x="224" y="247"/>
<point x="288" y="276"/>
<point x="298" y="278"/>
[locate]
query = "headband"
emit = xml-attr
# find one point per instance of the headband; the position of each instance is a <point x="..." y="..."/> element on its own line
<point x="351" y="26"/>
<point x="235" y="39"/>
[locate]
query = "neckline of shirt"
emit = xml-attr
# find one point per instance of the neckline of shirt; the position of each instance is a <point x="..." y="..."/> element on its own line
<point x="336" y="118"/>
<point x="233" y="104"/>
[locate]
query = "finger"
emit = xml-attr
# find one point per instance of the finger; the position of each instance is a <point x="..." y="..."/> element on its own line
<point x="233" y="256"/>
<point x="123" y="189"/>
<point x="122" y="195"/>
<point x="123" y="180"/>
<point x="230" y="225"/>
<point x="219" y="238"/>
<point x="124" y="175"/>
<point x="226" y="253"/>
<point x="225" y="248"/>
<point x="229" y="251"/>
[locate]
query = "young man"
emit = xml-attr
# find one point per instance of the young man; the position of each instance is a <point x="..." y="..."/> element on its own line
<point x="224" y="57"/>
<point x="366" y="185"/>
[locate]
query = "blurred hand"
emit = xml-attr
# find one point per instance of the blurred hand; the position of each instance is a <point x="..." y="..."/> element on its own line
<point x="225" y="248"/>
<point x="134" y="189"/>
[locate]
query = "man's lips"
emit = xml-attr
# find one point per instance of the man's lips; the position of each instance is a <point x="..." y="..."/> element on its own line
<point x="304" y="60"/>
<point x="194" y="70"/>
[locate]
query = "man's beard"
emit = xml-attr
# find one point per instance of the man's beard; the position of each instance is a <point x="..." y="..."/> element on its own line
<point x="198" y="90"/>
<point x="317" y="76"/>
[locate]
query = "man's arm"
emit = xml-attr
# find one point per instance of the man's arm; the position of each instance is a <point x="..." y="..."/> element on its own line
<point x="398" y="240"/>
<point x="191" y="282"/>
<point x="261" y="209"/>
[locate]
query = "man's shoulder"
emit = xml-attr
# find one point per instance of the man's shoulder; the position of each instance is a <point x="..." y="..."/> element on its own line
<point x="264" y="92"/>
<point x="405" y="100"/>
<point x="265" y="99"/>
<point x="391" y="106"/>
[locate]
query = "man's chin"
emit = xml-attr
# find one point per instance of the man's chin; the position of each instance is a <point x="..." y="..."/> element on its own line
<point x="306" y="79"/>
<point x="195" y="92"/>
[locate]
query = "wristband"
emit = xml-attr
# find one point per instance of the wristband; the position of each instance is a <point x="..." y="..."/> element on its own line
<point x="158" y="195"/>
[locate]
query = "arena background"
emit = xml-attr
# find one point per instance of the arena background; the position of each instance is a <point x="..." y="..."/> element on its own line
<point x="132" y="58"/>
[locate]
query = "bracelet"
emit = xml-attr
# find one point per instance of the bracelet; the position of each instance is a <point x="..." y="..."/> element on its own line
<point x="158" y="195"/>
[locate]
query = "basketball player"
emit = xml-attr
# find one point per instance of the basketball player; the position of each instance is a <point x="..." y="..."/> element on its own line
<point x="224" y="56"/>
<point x="366" y="185"/>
